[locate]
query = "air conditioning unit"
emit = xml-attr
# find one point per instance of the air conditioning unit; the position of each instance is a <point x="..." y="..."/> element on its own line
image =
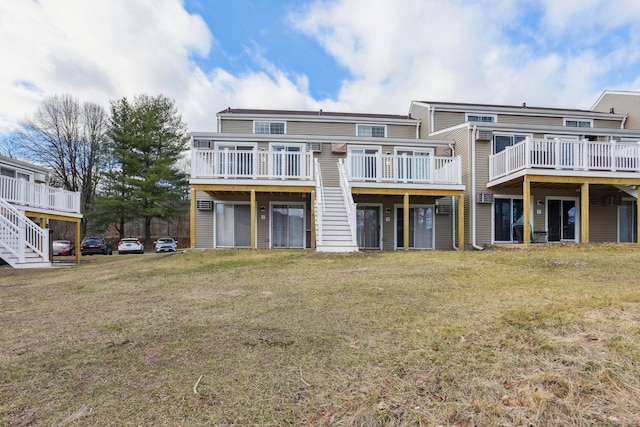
<point x="204" y="205"/>
<point x="40" y="177"/>
<point x="443" y="209"/>
<point x="484" y="198"/>
<point x="613" y="201"/>
<point x="484" y="135"/>
<point x="314" y="147"/>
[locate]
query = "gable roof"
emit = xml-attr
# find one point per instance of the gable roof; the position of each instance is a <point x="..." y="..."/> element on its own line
<point x="307" y="114"/>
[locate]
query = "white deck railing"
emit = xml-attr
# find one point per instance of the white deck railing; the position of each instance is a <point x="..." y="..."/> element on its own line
<point x="566" y="154"/>
<point x="17" y="233"/>
<point x="25" y="193"/>
<point x="238" y="164"/>
<point x="348" y="200"/>
<point x="404" y="168"/>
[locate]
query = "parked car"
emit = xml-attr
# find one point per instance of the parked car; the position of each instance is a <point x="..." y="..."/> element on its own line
<point x="130" y="245"/>
<point x="166" y="244"/>
<point x="63" y="247"/>
<point x="95" y="245"/>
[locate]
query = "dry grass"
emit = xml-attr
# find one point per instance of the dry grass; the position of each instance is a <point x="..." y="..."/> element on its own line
<point x="546" y="336"/>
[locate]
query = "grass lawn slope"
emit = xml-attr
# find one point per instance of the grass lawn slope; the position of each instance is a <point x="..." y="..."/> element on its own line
<point x="533" y="337"/>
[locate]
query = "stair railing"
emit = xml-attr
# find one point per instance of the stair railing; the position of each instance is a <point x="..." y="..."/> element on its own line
<point x="348" y="199"/>
<point x="17" y="232"/>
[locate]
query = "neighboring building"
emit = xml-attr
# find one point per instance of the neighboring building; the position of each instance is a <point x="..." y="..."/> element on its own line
<point x="460" y="175"/>
<point x="330" y="181"/>
<point x="27" y="203"/>
<point x="542" y="174"/>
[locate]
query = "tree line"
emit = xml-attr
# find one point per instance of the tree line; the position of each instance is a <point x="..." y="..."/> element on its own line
<point x="123" y="162"/>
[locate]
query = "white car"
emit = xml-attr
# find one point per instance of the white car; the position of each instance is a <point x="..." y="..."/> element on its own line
<point x="166" y="244"/>
<point x="130" y="246"/>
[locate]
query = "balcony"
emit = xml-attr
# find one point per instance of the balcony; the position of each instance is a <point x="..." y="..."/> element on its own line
<point x="251" y="164"/>
<point x="404" y="168"/>
<point x="21" y="193"/>
<point x="566" y="155"/>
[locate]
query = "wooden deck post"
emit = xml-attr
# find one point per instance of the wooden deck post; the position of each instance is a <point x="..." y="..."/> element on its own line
<point x="313" y="219"/>
<point x="192" y="220"/>
<point x="253" y="218"/>
<point x="78" y="248"/>
<point x="526" y="207"/>
<point x="405" y="231"/>
<point x="637" y="215"/>
<point x="584" y="213"/>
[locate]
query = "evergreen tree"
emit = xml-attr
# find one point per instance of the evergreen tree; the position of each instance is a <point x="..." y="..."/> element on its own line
<point x="148" y="137"/>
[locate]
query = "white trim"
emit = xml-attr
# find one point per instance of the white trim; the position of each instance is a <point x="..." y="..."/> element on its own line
<point x="559" y="136"/>
<point x="493" y="217"/>
<point x="635" y="216"/>
<point x="221" y="145"/>
<point x="395" y="225"/>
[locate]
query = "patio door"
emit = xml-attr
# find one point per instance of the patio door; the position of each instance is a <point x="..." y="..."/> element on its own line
<point x="421" y="227"/>
<point x="413" y="165"/>
<point x="627" y="222"/>
<point x="562" y="215"/>
<point x="233" y="225"/>
<point x="287" y="226"/>
<point x="368" y="227"/>
<point x="364" y="163"/>
<point x="508" y="224"/>
<point x="287" y="161"/>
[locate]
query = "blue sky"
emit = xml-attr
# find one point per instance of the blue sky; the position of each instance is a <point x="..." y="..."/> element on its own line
<point x="339" y="55"/>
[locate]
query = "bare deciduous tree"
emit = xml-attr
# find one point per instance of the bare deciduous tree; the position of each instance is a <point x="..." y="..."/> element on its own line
<point x="70" y="139"/>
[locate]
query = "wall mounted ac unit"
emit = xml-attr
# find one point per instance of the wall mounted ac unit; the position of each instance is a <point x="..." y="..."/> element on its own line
<point x="204" y="205"/>
<point x="613" y="201"/>
<point x="484" y="198"/>
<point x="484" y="135"/>
<point x="314" y="147"/>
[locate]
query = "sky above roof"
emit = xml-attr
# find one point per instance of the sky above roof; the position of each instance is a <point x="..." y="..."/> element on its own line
<point x="371" y="56"/>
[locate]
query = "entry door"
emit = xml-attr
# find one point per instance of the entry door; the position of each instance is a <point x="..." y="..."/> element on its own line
<point x="364" y="163"/>
<point x="561" y="220"/>
<point x="286" y="161"/>
<point x="368" y="219"/>
<point x="627" y="222"/>
<point x="287" y="229"/>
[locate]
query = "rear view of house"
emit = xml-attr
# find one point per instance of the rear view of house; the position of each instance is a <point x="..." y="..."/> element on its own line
<point x="330" y="181"/>
<point x="27" y="202"/>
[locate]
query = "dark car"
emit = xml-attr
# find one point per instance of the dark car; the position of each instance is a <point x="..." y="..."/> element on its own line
<point x="95" y="245"/>
<point x="62" y="247"/>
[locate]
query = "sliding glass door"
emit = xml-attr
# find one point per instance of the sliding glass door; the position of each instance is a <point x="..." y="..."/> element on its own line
<point x="232" y="225"/>
<point x="287" y="226"/>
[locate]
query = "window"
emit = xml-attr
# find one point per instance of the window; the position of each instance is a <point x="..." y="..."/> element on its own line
<point x="371" y="131"/>
<point x="578" y="123"/>
<point x="483" y="118"/>
<point x="269" y="128"/>
<point x="502" y="141"/>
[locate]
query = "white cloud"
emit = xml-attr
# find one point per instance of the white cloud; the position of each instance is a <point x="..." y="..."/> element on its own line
<point x="489" y="51"/>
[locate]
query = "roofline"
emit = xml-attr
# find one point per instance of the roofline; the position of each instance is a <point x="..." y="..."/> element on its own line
<point x="26" y="164"/>
<point x="524" y="110"/>
<point x="317" y="115"/>
<point x="520" y="128"/>
<point x="243" y="137"/>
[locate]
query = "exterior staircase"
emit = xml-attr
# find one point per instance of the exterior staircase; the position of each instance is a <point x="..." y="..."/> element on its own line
<point x="336" y="233"/>
<point x="22" y="243"/>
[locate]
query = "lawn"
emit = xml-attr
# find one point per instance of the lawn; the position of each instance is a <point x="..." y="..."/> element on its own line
<point x="531" y="337"/>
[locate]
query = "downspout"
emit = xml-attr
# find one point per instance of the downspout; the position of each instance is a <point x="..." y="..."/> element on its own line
<point x="431" y="120"/>
<point x="624" y="120"/>
<point x="418" y="129"/>
<point x="472" y="205"/>
<point x="219" y="125"/>
<point x="453" y="211"/>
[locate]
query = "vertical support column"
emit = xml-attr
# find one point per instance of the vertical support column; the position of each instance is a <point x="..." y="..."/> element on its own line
<point x="253" y="218"/>
<point x="405" y="228"/>
<point x="192" y="220"/>
<point x="313" y="219"/>
<point x="526" y="207"/>
<point x="584" y="213"/>
<point x="43" y="223"/>
<point x="461" y="222"/>
<point x="637" y="216"/>
<point x="78" y="249"/>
